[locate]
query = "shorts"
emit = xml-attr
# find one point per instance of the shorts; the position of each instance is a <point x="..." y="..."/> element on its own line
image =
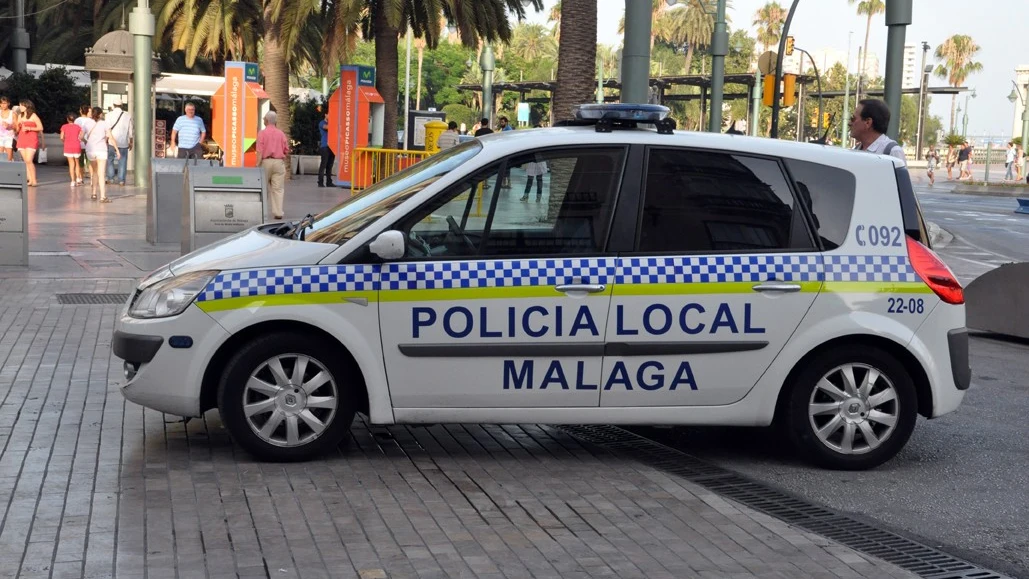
<point x="6" y="142"/>
<point x="73" y="155"/>
<point x="97" y="156"/>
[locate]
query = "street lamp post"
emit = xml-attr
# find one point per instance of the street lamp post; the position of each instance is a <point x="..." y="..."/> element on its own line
<point x="487" y="63"/>
<point x="719" y="48"/>
<point x="923" y="86"/>
<point x="964" y="119"/>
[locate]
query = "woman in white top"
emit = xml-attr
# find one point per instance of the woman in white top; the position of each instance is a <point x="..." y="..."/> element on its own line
<point x="8" y="118"/>
<point x="97" y="136"/>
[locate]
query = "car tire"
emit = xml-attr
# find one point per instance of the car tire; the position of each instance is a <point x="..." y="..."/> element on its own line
<point x="853" y="427"/>
<point x="287" y="397"/>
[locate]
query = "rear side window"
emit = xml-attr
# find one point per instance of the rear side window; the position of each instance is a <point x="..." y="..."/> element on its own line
<point x="828" y="193"/>
<point x="716" y="202"/>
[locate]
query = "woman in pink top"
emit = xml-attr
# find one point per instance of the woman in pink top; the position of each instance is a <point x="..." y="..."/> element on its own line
<point x="70" y="134"/>
<point x="29" y="129"/>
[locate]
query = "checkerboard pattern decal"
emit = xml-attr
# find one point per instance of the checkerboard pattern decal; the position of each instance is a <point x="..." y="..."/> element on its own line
<point x="719" y="269"/>
<point x="551" y="272"/>
<point x="291" y="280"/>
<point x="483" y="274"/>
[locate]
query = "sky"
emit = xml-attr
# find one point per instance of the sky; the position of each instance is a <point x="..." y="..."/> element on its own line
<point x="998" y="26"/>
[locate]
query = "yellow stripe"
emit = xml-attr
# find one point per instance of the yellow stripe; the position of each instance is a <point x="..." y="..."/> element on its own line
<point x="876" y="287"/>
<point x="284" y="300"/>
<point x="658" y="289"/>
<point x="672" y="289"/>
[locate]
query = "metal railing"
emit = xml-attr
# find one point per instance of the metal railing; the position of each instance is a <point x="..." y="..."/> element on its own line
<point x="371" y="165"/>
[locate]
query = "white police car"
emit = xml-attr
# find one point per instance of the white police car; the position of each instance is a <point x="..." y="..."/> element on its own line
<point x="590" y="273"/>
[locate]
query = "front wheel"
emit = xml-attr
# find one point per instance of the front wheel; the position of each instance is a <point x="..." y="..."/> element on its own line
<point x="852" y="409"/>
<point x="286" y="397"/>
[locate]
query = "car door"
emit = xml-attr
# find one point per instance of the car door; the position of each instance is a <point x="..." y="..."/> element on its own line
<point x="723" y="270"/>
<point x="502" y="297"/>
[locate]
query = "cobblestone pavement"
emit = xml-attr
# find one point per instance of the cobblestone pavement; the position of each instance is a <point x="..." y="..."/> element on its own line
<point x="94" y="486"/>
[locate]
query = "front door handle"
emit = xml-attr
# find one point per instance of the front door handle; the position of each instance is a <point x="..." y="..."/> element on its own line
<point x="589" y="288"/>
<point x="777" y="286"/>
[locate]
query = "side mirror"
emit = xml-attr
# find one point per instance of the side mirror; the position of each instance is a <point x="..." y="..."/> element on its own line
<point x="388" y="245"/>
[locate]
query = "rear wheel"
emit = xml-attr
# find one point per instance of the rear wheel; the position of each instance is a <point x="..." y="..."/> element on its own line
<point x="853" y="408"/>
<point x="286" y="397"/>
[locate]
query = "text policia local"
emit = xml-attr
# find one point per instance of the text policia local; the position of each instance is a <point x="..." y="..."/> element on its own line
<point x="541" y="322"/>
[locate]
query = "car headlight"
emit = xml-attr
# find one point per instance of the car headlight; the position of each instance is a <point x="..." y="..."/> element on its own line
<point x="154" y="277"/>
<point x="171" y="296"/>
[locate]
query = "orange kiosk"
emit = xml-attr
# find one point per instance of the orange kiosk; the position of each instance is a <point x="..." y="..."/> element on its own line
<point x="237" y="114"/>
<point x="356" y="112"/>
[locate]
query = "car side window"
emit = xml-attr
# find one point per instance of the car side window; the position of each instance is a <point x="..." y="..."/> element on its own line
<point x="829" y="194"/>
<point x="715" y="202"/>
<point x="548" y="202"/>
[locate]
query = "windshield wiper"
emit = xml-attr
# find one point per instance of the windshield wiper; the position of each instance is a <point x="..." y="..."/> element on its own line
<point x="302" y="226"/>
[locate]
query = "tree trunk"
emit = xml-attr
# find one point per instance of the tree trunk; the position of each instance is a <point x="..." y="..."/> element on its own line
<point x="386" y="38"/>
<point x="953" y="113"/>
<point x="576" y="57"/>
<point x="276" y="76"/>
<point x="689" y="58"/>
<point x="864" y="55"/>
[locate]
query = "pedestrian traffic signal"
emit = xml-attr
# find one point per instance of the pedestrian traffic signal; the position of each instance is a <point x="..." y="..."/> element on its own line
<point x="769" y="90"/>
<point x="789" y="46"/>
<point x="789" y="90"/>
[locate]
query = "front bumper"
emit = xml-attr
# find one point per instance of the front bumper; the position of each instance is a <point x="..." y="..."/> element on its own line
<point x="159" y="376"/>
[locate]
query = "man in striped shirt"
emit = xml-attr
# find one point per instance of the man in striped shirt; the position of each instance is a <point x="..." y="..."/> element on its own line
<point x="191" y="131"/>
<point x="449" y="137"/>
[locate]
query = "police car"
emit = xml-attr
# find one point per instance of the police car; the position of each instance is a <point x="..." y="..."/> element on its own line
<point x="608" y="271"/>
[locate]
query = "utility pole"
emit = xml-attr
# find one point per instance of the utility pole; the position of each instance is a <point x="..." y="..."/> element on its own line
<point x="487" y="63"/>
<point x="20" y="39"/>
<point x="407" y="90"/>
<point x="921" y="101"/>
<point x="777" y="94"/>
<point x="898" y="17"/>
<point x="141" y="25"/>
<point x="719" y="48"/>
<point x="636" y="52"/>
<point x="755" y="114"/>
<point x="845" y="122"/>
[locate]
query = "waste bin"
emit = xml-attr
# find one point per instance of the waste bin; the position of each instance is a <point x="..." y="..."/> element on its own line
<point x="164" y="204"/>
<point x="14" y="215"/>
<point x="220" y="201"/>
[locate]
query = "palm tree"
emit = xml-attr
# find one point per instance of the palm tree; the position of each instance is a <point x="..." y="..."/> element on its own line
<point x="532" y="42"/>
<point x="576" y="57"/>
<point x="218" y="30"/>
<point x="956" y="54"/>
<point x="382" y="21"/>
<point x="868" y="8"/>
<point x="689" y="26"/>
<point x="769" y="20"/>
<point x="555" y="17"/>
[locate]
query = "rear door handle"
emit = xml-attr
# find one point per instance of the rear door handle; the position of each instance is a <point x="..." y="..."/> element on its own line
<point x="589" y="288"/>
<point x="775" y="286"/>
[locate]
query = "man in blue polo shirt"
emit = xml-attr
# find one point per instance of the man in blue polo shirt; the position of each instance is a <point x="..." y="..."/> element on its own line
<point x="191" y="131"/>
<point x="328" y="157"/>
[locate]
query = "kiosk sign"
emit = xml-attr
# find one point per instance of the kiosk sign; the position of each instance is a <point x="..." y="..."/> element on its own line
<point x="236" y="113"/>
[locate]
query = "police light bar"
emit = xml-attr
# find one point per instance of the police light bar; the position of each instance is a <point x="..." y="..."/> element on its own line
<point x="640" y="113"/>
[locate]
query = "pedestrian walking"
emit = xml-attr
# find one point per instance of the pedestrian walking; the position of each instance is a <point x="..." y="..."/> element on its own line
<point x="8" y="118"/>
<point x="534" y="171"/>
<point x="1019" y="162"/>
<point x="448" y="138"/>
<point x="327" y="156"/>
<point x="965" y="161"/>
<point x="504" y="125"/>
<point x="868" y="126"/>
<point x="483" y="128"/>
<point x="30" y="131"/>
<point x="84" y="122"/>
<point x="122" y="130"/>
<point x="97" y="139"/>
<point x="71" y="135"/>
<point x="271" y="156"/>
<point x="191" y="131"/>
<point x="932" y="158"/>
<point x="952" y="159"/>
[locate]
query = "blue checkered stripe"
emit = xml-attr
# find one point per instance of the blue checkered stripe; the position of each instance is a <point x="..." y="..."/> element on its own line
<point x="865" y="268"/>
<point x="291" y="280"/>
<point x="718" y="269"/>
<point x="484" y="274"/>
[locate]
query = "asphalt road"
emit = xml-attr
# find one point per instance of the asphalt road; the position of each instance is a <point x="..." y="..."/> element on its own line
<point x="962" y="482"/>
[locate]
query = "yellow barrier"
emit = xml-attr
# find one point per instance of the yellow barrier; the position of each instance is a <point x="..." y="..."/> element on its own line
<point x="372" y="165"/>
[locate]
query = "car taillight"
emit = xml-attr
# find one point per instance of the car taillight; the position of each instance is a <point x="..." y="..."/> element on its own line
<point x="935" y="273"/>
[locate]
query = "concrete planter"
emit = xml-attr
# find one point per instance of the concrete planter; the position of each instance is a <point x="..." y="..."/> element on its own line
<point x="305" y="164"/>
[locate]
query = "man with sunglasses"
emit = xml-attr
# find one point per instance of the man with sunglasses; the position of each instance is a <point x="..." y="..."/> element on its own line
<point x="868" y="127"/>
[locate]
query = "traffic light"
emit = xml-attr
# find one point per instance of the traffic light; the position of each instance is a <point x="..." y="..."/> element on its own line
<point x="825" y="120"/>
<point x="789" y="46"/>
<point x="769" y="90"/>
<point x="789" y="90"/>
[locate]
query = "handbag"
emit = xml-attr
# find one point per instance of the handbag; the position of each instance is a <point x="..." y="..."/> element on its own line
<point x="41" y="156"/>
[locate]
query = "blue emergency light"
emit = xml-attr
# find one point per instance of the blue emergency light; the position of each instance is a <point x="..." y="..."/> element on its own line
<point x="608" y="116"/>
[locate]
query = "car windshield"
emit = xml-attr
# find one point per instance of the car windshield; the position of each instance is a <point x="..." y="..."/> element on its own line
<point x="344" y="221"/>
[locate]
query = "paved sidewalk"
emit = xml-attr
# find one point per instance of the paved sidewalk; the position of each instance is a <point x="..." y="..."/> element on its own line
<point x="94" y="486"/>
